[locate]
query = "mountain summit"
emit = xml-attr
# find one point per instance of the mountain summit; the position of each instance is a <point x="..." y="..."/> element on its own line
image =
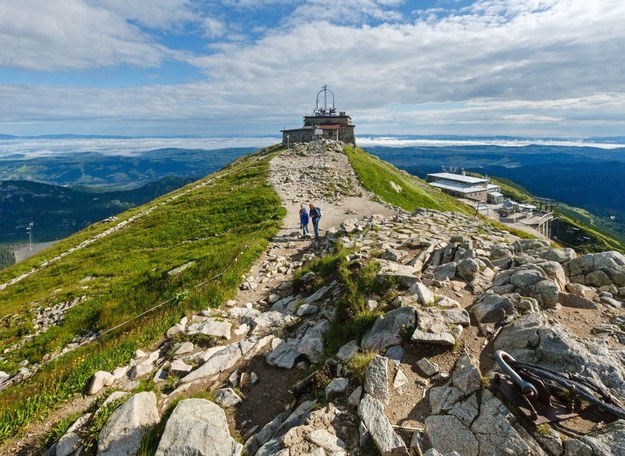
<point x="205" y="323"/>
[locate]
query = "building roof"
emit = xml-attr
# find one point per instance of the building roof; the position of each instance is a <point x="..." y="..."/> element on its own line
<point x="457" y="188"/>
<point x="458" y="178"/>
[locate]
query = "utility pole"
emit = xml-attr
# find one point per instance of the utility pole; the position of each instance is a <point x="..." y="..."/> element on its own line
<point x="29" y="228"/>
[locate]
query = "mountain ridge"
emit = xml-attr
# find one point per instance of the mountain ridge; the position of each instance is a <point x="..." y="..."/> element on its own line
<point x="301" y="302"/>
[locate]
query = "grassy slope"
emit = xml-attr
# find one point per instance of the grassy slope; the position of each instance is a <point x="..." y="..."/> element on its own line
<point x="376" y="174"/>
<point x="232" y="217"/>
<point x="572" y="215"/>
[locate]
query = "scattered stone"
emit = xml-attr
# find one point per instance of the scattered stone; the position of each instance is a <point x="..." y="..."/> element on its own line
<point x="376" y="379"/>
<point x="347" y="351"/>
<point x="336" y="386"/>
<point x="100" y="380"/>
<point x="226" y="397"/>
<point x="371" y="412"/>
<point x="427" y="367"/>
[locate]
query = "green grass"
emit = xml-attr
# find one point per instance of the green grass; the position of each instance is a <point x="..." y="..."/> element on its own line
<point x="376" y="175"/>
<point x="222" y="226"/>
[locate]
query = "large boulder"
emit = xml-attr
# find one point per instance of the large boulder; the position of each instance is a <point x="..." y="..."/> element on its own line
<point x="612" y="264"/>
<point x="198" y="427"/>
<point x="127" y="425"/>
<point x="494" y="308"/>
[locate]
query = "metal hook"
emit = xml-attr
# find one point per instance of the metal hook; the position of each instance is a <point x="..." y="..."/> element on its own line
<point x="527" y="388"/>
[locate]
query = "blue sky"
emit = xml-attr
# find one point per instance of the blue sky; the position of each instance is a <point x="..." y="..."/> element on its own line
<point x="252" y="67"/>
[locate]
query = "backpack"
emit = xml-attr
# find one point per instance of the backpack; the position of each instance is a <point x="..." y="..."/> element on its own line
<point x="316" y="212"/>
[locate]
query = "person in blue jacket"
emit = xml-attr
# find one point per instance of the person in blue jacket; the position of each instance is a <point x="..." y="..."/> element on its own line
<point x="303" y="220"/>
<point x="315" y="215"/>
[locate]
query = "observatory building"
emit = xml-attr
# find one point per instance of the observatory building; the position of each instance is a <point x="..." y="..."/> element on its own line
<point x="325" y="123"/>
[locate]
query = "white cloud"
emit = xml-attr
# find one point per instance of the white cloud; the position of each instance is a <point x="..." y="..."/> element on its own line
<point x="213" y="28"/>
<point x="545" y="66"/>
<point x="157" y="14"/>
<point x="346" y="11"/>
<point x="52" y="35"/>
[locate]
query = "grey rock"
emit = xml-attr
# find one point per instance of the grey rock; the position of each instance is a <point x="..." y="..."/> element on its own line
<point x="72" y="440"/>
<point x="297" y="417"/>
<point x="311" y="345"/>
<point x="443" y="398"/>
<point x="493" y="308"/>
<point x="326" y="440"/>
<point x="575" y="301"/>
<point x="445" y="271"/>
<point x="189" y="424"/>
<point x="468" y="268"/>
<point x="446" y="433"/>
<point x="402" y="274"/>
<point x="268" y="322"/>
<point x="317" y="295"/>
<point x="432" y="328"/>
<point x="336" y="386"/>
<point x="226" y="397"/>
<point x="559" y="255"/>
<point x="347" y="351"/>
<point x="184" y="348"/>
<point x="354" y="398"/>
<point x="376" y="379"/>
<point x="260" y="438"/>
<point x="395" y="354"/>
<point x="127" y="425"/>
<point x="424" y="295"/>
<point x="466" y="377"/>
<point x="211" y="327"/>
<point x="493" y="430"/>
<point x="581" y="290"/>
<point x="371" y="412"/>
<point x="387" y="329"/>
<point x="597" y="279"/>
<point x="574" y="447"/>
<point x="180" y="368"/>
<point x="217" y="363"/>
<point x="525" y="276"/>
<point x="467" y="410"/>
<point x="100" y="380"/>
<point x="546" y="292"/>
<point x="400" y="380"/>
<point x="427" y="367"/>
<point x="284" y="355"/>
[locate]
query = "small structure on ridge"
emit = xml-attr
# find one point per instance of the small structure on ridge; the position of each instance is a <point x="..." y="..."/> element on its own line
<point x="324" y="123"/>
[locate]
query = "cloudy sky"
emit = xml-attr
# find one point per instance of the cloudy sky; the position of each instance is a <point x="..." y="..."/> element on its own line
<point x="253" y="67"/>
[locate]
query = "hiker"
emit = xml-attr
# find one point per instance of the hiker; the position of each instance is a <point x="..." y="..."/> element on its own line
<point x="315" y="215"/>
<point x="303" y="220"/>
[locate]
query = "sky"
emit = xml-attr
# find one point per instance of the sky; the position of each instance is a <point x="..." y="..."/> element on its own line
<point x="541" y="68"/>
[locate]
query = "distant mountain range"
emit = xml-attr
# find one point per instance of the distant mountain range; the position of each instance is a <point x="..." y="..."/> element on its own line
<point x="62" y="194"/>
<point x="95" y="169"/>
<point x="57" y="212"/>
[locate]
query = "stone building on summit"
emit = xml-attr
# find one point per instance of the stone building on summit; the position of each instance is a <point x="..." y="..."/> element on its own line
<point x="325" y="123"/>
